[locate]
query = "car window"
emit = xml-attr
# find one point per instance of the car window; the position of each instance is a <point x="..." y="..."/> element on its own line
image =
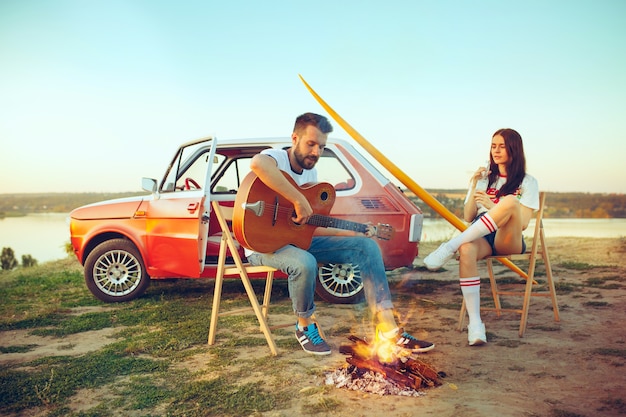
<point x="330" y="169"/>
<point x="188" y="170"/>
<point x="226" y="179"/>
<point x="231" y="175"/>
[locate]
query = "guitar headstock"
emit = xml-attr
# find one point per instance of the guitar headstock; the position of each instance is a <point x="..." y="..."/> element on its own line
<point x="384" y="231"/>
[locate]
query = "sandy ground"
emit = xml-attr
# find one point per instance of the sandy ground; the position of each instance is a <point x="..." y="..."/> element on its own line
<point x="570" y="368"/>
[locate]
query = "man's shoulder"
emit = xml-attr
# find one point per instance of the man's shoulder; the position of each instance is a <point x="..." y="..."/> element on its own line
<point x="280" y="153"/>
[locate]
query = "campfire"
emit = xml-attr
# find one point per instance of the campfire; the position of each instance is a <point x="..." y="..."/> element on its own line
<point x="382" y="369"/>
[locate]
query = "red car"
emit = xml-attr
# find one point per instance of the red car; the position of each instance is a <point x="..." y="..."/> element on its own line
<point x="125" y="243"/>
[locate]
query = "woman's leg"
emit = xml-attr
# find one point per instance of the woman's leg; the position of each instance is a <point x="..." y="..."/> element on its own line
<point x="509" y="219"/>
<point x="505" y="218"/>
<point x="469" y="280"/>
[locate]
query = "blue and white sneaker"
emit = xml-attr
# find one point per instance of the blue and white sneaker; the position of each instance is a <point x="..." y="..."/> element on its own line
<point x="311" y="341"/>
<point x="404" y="340"/>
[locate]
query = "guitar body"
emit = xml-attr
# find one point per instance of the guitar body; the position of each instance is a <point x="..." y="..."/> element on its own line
<point x="263" y="219"/>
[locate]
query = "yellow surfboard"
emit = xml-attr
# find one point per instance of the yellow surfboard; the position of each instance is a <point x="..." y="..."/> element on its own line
<point x="424" y="195"/>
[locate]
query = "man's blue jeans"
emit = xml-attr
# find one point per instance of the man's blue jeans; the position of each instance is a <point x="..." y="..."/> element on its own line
<point x="301" y="267"/>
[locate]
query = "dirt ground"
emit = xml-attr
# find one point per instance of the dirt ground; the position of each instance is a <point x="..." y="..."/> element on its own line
<point x="570" y="368"/>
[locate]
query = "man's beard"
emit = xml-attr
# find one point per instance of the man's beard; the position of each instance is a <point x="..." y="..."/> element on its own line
<point x="304" y="162"/>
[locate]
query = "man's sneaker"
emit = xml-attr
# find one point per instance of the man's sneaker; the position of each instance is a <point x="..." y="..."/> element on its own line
<point x="476" y="334"/>
<point x="404" y="340"/>
<point x="438" y="258"/>
<point x="311" y="341"/>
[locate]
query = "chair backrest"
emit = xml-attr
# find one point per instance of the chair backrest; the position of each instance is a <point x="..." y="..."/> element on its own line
<point x="225" y="211"/>
<point x="224" y="214"/>
<point x="538" y="234"/>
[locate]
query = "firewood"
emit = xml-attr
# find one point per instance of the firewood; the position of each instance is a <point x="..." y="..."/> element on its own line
<point x="409" y="381"/>
<point x="406" y="371"/>
<point x="422" y="369"/>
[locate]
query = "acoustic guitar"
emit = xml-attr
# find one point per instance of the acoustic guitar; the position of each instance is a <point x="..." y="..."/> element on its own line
<point x="263" y="219"/>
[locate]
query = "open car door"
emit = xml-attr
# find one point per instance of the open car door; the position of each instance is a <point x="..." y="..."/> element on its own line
<point x="177" y="218"/>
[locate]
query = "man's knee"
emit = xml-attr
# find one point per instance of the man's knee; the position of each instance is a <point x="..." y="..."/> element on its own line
<point x="303" y="266"/>
<point x="368" y="246"/>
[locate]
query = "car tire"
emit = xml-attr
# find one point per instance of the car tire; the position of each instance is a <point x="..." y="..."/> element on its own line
<point x="340" y="283"/>
<point x="115" y="271"/>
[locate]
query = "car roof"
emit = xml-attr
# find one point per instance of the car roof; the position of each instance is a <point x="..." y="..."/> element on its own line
<point x="271" y="141"/>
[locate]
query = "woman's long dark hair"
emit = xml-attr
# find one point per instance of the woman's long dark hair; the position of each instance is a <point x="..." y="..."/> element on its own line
<point x="515" y="167"/>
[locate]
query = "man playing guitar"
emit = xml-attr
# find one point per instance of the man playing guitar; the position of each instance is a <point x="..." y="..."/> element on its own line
<point x="329" y="245"/>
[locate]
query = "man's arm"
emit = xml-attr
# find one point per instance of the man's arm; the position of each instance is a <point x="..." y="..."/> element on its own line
<point x="264" y="166"/>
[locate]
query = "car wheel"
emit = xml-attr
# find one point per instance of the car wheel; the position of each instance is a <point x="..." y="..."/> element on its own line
<point x="115" y="272"/>
<point x="340" y="283"/>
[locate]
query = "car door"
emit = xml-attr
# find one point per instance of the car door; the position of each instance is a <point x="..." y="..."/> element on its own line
<point x="177" y="219"/>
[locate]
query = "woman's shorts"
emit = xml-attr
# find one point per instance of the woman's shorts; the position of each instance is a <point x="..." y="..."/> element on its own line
<point x="491" y="238"/>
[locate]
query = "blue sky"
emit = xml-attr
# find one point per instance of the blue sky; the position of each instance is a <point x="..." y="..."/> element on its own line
<point x="96" y="94"/>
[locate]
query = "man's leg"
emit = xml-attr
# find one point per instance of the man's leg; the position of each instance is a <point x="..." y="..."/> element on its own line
<point x="365" y="253"/>
<point x="301" y="268"/>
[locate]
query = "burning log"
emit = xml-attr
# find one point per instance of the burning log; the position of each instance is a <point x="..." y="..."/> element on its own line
<point x="395" y="375"/>
<point x="405" y="371"/>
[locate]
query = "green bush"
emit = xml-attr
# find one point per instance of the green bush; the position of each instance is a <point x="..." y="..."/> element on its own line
<point x="28" y="261"/>
<point x="7" y="259"/>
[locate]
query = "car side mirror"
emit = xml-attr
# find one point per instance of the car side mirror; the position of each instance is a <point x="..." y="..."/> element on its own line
<point x="149" y="184"/>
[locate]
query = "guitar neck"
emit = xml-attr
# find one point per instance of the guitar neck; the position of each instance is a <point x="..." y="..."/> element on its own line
<point x="326" y="221"/>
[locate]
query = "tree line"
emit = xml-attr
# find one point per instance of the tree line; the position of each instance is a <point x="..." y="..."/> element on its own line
<point x="22" y="204"/>
<point x="558" y="205"/>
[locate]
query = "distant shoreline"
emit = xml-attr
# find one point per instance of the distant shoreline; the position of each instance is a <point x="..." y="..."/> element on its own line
<point x="558" y="205"/>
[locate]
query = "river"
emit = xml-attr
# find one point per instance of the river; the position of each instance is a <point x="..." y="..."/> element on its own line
<point x="43" y="236"/>
<point x="439" y="229"/>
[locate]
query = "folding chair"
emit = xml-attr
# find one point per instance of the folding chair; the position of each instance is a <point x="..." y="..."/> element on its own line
<point x="537" y="251"/>
<point x="242" y="270"/>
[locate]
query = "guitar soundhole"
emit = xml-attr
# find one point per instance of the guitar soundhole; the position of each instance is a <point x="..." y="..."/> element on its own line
<point x="324" y="196"/>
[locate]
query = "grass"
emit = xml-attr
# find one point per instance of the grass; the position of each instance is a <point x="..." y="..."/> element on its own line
<point x="157" y="361"/>
<point x="139" y="369"/>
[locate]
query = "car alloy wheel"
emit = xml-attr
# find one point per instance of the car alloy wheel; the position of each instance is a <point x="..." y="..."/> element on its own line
<point x="114" y="271"/>
<point x="340" y="283"/>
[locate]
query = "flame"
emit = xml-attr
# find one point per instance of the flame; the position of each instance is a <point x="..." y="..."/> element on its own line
<point x="386" y="350"/>
<point x="366" y="351"/>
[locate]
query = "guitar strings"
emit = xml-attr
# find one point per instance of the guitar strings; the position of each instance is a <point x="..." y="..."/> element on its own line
<point x="314" y="220"/>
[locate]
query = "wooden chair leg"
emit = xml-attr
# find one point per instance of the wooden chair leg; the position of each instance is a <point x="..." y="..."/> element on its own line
<point x="259" y="314"/>
<point x="550" y="280"/>
<point x="462" y="315"/>
<point x="217" y="296"/>
<point x="494" y="288"/>
<point x="269" y="281"/>
<point x="528" y="290"/>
